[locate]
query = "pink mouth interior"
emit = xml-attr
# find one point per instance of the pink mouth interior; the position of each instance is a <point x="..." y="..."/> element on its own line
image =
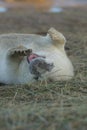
<point x="33" y="56"/>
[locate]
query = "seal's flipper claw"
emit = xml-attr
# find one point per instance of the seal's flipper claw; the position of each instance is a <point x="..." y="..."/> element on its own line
<point x="19" y="51"/>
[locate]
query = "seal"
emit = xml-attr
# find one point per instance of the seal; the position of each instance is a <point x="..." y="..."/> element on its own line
<point x="24" y="57"/>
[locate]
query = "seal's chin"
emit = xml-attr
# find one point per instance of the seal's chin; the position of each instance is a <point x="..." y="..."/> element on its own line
<point x="33" y="56"/>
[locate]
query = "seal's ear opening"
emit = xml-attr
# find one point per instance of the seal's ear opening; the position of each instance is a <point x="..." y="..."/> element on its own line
<point x="19" y="52"/>
<point x="58" y="39"/>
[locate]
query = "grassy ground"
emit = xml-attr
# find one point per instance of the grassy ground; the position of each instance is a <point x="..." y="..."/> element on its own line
<point x="59" y="105"/>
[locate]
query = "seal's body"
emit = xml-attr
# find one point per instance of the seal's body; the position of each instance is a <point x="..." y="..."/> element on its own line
<point x="15" y="48"/>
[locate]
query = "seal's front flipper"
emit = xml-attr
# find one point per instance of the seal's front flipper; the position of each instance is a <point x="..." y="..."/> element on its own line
<point x="19" y="51"/>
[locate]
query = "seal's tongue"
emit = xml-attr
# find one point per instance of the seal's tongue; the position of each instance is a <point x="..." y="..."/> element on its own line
<point x="33" y="56"/>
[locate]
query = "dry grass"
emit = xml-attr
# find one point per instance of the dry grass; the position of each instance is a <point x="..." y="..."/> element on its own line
<point x="59" y="105"/>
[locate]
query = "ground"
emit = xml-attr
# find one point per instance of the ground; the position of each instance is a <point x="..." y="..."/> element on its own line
<point x="57" y="105"/>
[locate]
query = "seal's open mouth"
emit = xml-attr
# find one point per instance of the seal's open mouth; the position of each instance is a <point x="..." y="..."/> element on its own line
<point x="33" y="56"/>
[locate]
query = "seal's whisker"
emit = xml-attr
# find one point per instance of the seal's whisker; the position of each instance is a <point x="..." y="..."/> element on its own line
<point x="53" y="72"/>
<point x="63" y="76"/>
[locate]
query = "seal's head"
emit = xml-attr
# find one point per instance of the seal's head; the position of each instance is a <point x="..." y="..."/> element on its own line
<point x="38" y="65"/>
